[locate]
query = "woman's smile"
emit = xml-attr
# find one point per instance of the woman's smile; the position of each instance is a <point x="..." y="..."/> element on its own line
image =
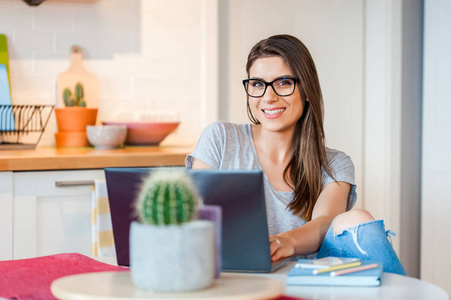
<point x="273" y="113"/>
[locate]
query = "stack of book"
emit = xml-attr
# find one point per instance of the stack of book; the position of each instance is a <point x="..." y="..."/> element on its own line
<point x="336" y="271"/>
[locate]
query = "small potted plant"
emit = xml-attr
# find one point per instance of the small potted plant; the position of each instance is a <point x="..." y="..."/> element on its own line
<point x="75" y="116"/>
<point x="73" y="119"/>
<point x="170" y="250"/>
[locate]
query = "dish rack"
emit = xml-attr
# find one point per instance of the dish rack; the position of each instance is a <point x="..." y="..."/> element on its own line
<point x="22" y="126"/>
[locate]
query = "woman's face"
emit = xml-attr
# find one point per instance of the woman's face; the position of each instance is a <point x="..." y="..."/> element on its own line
<point x="275" y="113"/>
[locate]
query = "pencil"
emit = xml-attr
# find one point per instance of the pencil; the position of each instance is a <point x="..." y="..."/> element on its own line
<point x="338" y="267"/>
<point x="352" y="270"/>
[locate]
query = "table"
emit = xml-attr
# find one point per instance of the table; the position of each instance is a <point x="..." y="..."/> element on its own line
<point x="119" y="286"/>
<point x="393" y="287"/>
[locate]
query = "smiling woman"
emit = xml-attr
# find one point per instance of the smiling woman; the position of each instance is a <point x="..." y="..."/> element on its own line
<point x="309" y="188"/>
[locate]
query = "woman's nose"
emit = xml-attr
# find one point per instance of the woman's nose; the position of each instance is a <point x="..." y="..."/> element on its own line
<point x="270" y="96"/>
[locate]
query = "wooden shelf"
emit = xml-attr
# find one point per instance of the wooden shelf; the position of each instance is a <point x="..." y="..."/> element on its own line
<point x="51" y="158"/>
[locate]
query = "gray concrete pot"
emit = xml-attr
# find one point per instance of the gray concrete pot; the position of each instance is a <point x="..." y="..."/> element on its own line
<point x="172" y="257"/>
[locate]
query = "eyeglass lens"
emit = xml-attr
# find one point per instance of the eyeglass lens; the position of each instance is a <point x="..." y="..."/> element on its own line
<point x="282" y="87"/>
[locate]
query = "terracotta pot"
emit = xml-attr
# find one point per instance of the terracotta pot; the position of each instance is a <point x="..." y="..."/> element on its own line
<point x="71" y="139"/>
<point x="75" y="118"/>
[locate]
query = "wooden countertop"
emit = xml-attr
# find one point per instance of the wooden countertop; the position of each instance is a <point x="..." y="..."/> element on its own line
<point x="51" y="158"/>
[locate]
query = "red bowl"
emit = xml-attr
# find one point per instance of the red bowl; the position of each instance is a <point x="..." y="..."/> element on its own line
<point x="145" y="133"/>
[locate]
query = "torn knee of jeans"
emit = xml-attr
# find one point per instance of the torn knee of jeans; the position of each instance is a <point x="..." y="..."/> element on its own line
<point x="353" y="231"/>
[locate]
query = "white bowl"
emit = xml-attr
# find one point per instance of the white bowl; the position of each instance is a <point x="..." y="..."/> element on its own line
<point x="107" y="136"/>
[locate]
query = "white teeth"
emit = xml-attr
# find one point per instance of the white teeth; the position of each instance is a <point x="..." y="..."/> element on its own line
<point x="274" y="111"/>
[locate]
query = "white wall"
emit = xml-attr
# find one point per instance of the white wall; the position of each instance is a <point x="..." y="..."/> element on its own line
<point x="333" y="32"/>
<point x="436" y="166"/>
<point x="392" y="138"/>
<point x="147" y="55"/>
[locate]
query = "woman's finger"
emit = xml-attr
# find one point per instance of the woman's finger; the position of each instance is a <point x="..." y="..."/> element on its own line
<point x="274" y="244"/>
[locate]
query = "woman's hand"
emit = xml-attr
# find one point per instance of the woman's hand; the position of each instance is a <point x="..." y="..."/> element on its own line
<point x="307" y="239"/>
<point x="280" y="246"/>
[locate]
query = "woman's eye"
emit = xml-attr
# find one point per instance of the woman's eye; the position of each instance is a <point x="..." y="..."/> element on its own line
<point x="284" y="82"/>
<point x="256" y="84"/>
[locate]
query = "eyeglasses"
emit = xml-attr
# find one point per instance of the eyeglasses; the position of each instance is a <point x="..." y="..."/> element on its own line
<point x="283" y="87"/>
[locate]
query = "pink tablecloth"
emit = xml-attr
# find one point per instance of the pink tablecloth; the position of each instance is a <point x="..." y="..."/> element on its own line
<point x="30" y="279"/>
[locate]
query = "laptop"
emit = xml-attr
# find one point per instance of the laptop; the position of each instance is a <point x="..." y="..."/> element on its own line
<point x="240" y="193"/>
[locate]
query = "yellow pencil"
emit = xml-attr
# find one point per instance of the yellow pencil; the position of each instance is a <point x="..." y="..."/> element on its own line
<point x="338" y="267"/>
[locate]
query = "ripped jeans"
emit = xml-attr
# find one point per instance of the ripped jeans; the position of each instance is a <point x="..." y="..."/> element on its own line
<point x="365" y="241"/>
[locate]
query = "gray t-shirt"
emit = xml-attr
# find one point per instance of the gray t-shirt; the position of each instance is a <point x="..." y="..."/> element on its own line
<point x="228" y="146"/>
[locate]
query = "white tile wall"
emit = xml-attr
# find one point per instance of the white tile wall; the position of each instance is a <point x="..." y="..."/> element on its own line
<point x="146" y="54"/>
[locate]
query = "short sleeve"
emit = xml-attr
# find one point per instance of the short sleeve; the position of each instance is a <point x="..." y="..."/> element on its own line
<point x="209" y="148"/>
<point x="343" y="170"/>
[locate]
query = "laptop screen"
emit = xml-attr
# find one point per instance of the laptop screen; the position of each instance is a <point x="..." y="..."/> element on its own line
<point x="240" y="193"/>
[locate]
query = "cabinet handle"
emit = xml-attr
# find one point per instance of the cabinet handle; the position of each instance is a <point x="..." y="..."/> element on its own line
<point x="74" y="183"/>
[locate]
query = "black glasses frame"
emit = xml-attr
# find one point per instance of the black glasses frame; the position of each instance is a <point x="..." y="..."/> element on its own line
<point x="295" y="79"/>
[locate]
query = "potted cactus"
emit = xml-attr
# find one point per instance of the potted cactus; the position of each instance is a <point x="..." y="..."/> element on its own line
<point x="73" y="119"/>
<point x="74" y="100"/>
<point x="170" y="250"/>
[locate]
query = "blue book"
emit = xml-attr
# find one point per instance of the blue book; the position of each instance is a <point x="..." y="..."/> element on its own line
<point x="5" y="95"/>
<point x="305" y="276"/>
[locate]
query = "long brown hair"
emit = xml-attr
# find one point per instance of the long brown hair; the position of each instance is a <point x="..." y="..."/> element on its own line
<point x="303" y="172"/>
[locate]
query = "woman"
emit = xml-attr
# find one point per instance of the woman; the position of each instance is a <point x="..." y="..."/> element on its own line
<point x="309" y="188"/>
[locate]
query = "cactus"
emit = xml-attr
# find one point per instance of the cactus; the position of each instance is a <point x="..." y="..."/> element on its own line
<point x="166" y="197"/>
<point x="79" y="92"/>
<point x="76" y="99"/>
<point x="71" y="102"/>
<point x="66" y="96"/>
<point x="82" y="102"/>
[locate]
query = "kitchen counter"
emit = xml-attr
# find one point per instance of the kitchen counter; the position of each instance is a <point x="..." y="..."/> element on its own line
<point x="51" y="158"/>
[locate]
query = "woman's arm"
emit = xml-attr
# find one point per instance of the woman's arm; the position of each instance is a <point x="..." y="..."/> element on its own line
<point x="198" y="164"/>
<point x="308" y="238"/>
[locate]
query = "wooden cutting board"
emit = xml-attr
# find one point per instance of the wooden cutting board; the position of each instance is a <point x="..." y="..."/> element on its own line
<point x="77" y="73"/>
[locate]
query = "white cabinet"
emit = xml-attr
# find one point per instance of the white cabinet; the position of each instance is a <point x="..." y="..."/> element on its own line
<point x="50" y="219"/>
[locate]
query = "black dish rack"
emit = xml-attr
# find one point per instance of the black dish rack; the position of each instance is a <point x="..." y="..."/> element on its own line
<point x="22" y="126"/>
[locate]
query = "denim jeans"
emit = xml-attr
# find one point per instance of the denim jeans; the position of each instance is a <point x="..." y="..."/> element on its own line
<point x="365" y="241"/>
